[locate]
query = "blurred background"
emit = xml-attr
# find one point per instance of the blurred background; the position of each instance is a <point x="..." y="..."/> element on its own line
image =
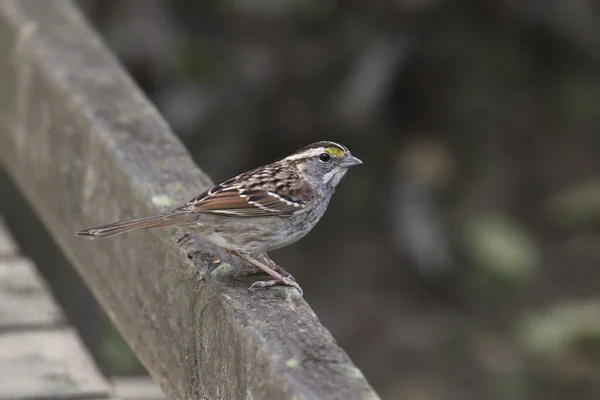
<point x="462" y="260"/>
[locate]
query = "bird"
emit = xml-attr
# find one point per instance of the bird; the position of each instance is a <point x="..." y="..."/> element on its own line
<point x="258" y="211"/>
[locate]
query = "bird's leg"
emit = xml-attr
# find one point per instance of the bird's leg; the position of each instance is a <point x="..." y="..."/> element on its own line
<point x="265" y="258"/>
<point x="267" y="261"/>
<point x="252" y="270"/>
<point x="278" y="278"/>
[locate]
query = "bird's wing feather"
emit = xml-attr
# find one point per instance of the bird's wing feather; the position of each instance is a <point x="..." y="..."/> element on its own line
<point x="243" y="203"/>
<point x="258" y="193"/>
<point x="247" y="203"/>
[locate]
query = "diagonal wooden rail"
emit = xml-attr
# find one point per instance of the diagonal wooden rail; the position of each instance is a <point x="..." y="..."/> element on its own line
<point x="85" y="147"/>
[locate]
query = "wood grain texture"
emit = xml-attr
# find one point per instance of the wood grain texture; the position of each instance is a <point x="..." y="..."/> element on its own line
<point x="85" y="147"/>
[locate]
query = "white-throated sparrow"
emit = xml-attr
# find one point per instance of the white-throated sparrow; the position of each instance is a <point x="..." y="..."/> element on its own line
<point x="258" y="211"/>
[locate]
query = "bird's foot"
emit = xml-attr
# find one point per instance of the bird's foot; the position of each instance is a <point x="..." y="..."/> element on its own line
<point x="276" y="267"/>
<point x="253" y="271"/>
<point x="285" y="281"/>
<point x="285" y="274"/>
<point x="270" y="268"/>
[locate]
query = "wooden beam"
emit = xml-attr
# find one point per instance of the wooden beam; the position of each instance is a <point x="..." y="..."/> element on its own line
<point x="85" y="147"/>
<point x="40" y="356"/>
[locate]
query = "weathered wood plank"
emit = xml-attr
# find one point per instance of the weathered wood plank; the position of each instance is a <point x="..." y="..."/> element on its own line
<point x="47" y="364"/>
<point x="25" y="301"/>
<point x="85" y="147"/>
<point x="39" y="357"/>
<point x="136" y="388"/>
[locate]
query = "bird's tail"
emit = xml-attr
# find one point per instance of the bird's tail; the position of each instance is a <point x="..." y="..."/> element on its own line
<point x="117" y="228"/>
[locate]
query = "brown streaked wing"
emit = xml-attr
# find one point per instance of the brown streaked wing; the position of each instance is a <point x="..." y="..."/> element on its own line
<point x="245" y="203"/>
<point x="268" y="191"/>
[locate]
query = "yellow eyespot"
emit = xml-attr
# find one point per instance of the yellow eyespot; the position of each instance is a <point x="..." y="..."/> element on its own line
<point x="336" y="151"/>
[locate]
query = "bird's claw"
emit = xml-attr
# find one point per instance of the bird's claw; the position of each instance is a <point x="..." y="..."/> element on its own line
<point x="285" y="281"/>
<point x="253" y="271"/>
<point x="286" y="275"/>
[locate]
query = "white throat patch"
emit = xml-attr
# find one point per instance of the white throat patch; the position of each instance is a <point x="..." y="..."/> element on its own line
<point x="334" y="176"/>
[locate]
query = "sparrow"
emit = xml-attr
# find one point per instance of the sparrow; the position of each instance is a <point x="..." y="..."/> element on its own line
<point x="261" y="210"/>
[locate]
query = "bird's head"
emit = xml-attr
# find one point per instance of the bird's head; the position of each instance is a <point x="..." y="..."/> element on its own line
<point x="323" y="164"/>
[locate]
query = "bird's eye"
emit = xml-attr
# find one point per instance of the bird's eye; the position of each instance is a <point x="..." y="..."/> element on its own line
<point x="324" y="157"/>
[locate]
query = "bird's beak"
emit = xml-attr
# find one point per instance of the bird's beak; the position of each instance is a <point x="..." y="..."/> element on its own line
<point x="350" y="161"/>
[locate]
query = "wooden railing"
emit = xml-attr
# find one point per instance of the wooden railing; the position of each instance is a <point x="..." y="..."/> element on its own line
<point x="85" y="147"/>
